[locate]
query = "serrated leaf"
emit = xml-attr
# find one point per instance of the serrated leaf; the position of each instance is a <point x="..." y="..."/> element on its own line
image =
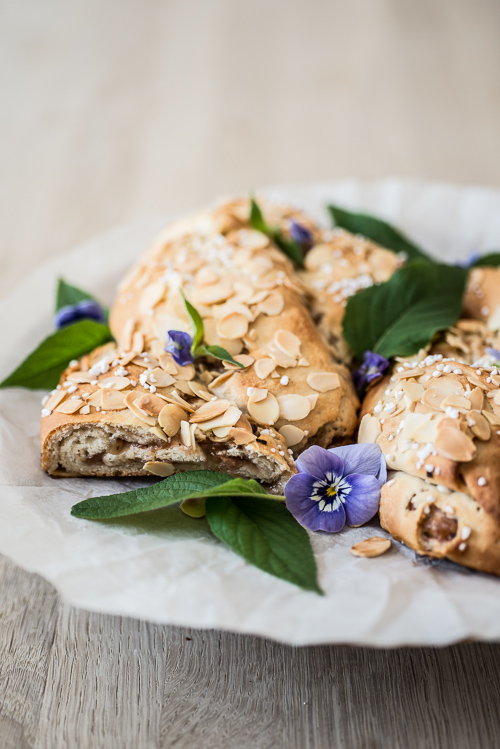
<point x="218" y="353"/>
<point x="173" y="489"/>
<point x="266" y="535"/>
<point x="400" y="316"/>
<point x="197" y="325"/>
<point x="491" y="260"/>
<point x="377" y="230"/>
<point x="42" y="369"/>
<point x="288" y="246"/>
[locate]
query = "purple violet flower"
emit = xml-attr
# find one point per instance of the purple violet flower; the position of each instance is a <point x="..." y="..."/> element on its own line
<point x="88" y="309"/>
<point x="471" y="258"/>
<point x="301" y="235"/>
<point x="371" y="369"/>
<point x="494" y="353"/>
<point x="337" y="486"/>
<point x="179" y="345"/>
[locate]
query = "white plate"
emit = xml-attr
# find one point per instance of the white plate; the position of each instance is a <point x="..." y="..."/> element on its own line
<point x="174" y="571"/>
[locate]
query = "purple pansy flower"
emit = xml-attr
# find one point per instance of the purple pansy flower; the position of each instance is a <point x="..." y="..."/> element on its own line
<point x="469" y="260"/>
<point x="88" y="309"/>
<point x="494" y="353"/>
<point x="301" y="235"/>
<point x="372" y="368"/>
<point x="337" y="486"/>
<point x="179" y="345"/>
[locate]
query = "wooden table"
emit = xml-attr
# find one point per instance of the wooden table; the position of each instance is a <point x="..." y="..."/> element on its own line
<point x="117" y="109"/>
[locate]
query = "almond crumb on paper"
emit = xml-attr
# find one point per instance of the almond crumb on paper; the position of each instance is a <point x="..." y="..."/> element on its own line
<point x="371" y="547"/>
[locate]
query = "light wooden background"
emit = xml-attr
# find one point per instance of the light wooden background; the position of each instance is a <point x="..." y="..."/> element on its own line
<point x="115" y="109"/>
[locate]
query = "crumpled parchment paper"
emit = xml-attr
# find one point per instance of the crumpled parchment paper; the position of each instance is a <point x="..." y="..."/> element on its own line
<point x="167" y="567"/>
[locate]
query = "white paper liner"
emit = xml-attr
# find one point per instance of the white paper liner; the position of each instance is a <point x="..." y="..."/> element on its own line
<point x="167" y="567"/>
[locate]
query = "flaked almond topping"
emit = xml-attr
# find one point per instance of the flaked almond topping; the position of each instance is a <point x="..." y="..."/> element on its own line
<point x="492" y="417"/>
<point x="176" y="399"/>
<point x="79" y="377"/>
<point x="480" y="427"/>
<point x="158" y="433"/>
<point x="243" y="359"/>
<point x="273" y="304"/>
<point x="54" y="400"/>
<point x="243" y="423"/>
<point x="138" y="341"/>
<point x="170" y="418"/>
<point x="477" y="382"/>
<point x="183" y="387"/>
<point x="149" y="403"/>
<point x="95" y="398"/>
<point x="112" y="400"/>
<point x="288" y="342"/>
<point x="85" y="410"/>
<point x="206" y="277"/>
<point x="168" y="364"/>
<point x="228" y="419"/>
<point x="232" y="326"/>
<point x="159" y="469"/>
<point x="126" y="359"/>
<point x="185" y="434"/>
<point x="369" y="429"/>
<point x="214" y="293"/>
<point x="256" y="297"/>
<point x="281" y="359"/>
<point x="405" y="374"/>
<point x="495" y="380"/>
<point x="200" y="390"/>
<point x="125" y="342"/>
<point x="264" y="367"/>
<point x="496" y="398"/>
<point x="323" y="381"/>
<point x="160" y="378"/>
<point x="456" y="401"/>
<point x="265" y="410"/>
<point x="371" y="547"/>
<point x="303" y="362"/>
<point x="413" y="390"/>
<point x="70" y="406"/>
<point x="131" y="401"/>
<point x="433" y="399"/>
<point x="221" y="379"/>
<point x="294" y="407"/>
<point x="257" y="394"/>
<point x="210" y="410"/>
<point x="455" y="445"/>
<point x="476" y="399"/>
<point x="116" y="383"/>
<point x="292" y="434"/>
<point x="186" y="372"/>
<point x="241" y="436"/>
<point x="313" y="399"/>
<point x="151" y="295"/>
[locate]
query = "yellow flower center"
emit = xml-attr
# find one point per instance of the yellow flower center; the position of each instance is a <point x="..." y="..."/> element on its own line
<point x="331" y="491"/>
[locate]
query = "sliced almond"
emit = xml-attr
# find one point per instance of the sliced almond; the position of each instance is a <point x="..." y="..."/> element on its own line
<point x="131" y="400"/>
<point x="160" y="378"/>
<point x="138" y="341"/>
<point x="455" y="445"/>
<point x="210" y="410"/>
<point x="288" y="342"/>
<point x="243" y="359"/>
<point x="70" y="406"/>
<point x="168" y="364"/>
<point x="206" y="277"/>
<point x="371" y="547"/>
<point x="78" y="378"/>
<point x="243" y="423"/>
<point x="175" y="398"/>
<point x="234" y="325"/>
<point x="149" y="402"/>
<point x="183" y="387"/>
<point x="414" y="421"/>
<point x="257" y="394"/>
<point x="264" y="367"/>
<point x="323" y="381"/>
<point x="55" y="399"/>
<point x="273" y="304"/>
<point x="369" y="429"/>
<point x="158" y="433"/>
<point x="112" y="400"/>
<point x="282" y="359"/>
<point x="116" y="383"/>
<point x="313" y="399"/>
<point x="292" y="434"/>
<point x="95" y="398"/>
<point x="199" y="390"/>
<point x="85" y="410"/>
<point x="477" y="382"/>
<point x="456" y="401"/>
<point x="477" y="399"/>
<point x="303" y="362"/>
<point x="407" y="373"/>
<point x="427" y="432"/>
<point x="294" y="407"/>
<point x="170" y="418"/>
<point x="479" y="425"/>
<point x="221" y="432"/>
<point x="151" y="295"/>
<point x="241" y="436"/>
<point x="492" y="417"/>
<point x="159" y="469"/>
<point x="221" y="379"/>
<point x="413" y="390"/>
<point x="433" y="399"/>
<point x="214" y="293"/>
<point x="228" y="419"/>
<point x="264" y="410"/>
<point x="186" y="372"/>
<point x="496" y="398"/>
<point x="185" y="434"/>
<point x="125" y="341"/>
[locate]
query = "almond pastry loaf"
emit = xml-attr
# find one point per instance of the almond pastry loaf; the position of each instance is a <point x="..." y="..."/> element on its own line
<point x="130" y="409"/>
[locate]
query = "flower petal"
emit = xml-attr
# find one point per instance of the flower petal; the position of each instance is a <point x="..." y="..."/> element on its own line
<point x="365" y="458"/>
<point x="361" y="504"/>
<point x="318" y="462"/>
<point x="306" y="511"/>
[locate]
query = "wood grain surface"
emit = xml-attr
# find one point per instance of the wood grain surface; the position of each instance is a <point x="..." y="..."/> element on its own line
<point x="112" y="110"/>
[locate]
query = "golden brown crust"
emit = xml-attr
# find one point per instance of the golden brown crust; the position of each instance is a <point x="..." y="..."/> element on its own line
<point x="482" y="297"/>
<point x="440" y="524"/>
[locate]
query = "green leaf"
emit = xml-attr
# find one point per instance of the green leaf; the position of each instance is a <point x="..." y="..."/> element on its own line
<point x="68" y="295"/>
<point x="288" y="246"/>
<point x="377" y="230"/>
<point x="266" y="535"/>
<point x="491" y="260"/>
<point x="176" y="488"/>
<point x="400" y="316"/>
<point x="42" y="368"/>
<point x="197" y="325"/>
<point x="218" y="353"/>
